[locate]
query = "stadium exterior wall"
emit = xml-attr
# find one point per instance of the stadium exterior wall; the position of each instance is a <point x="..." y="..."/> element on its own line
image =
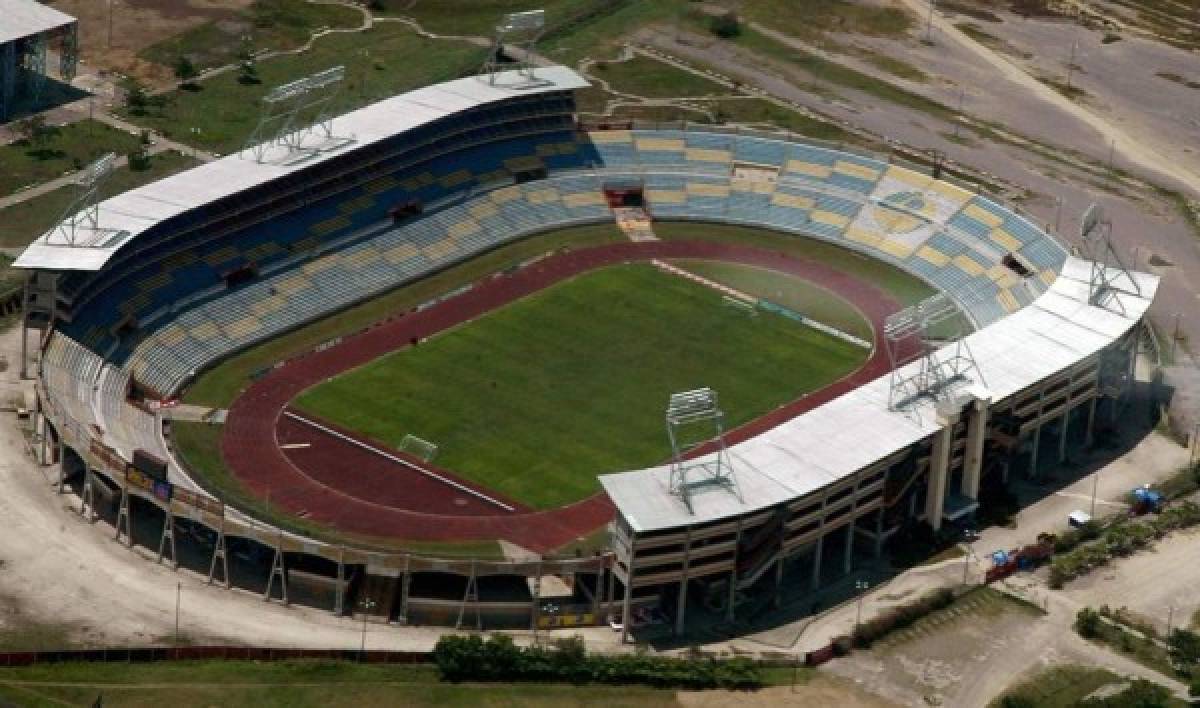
<point x="659" y="557"/>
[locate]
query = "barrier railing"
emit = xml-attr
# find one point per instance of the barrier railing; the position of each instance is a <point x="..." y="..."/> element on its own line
<point x="201" y="653"/>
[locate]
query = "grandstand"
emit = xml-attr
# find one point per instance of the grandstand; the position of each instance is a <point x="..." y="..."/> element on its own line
<point x="178" y="275"/>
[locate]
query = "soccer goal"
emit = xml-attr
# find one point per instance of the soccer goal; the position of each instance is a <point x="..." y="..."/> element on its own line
<point x="422" y="449"/>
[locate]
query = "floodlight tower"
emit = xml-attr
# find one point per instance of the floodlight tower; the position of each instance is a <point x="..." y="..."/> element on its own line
<point x="291" y="113"/>
<point x="694" y="418"/>
<point x="1109" y="275"/>
<point x="522" y="31"/>
<point x="937" y="370"/>
<point x="80" y="223"/>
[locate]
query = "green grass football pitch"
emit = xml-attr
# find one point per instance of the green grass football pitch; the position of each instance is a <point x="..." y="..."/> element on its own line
<point x="535" y="399"/>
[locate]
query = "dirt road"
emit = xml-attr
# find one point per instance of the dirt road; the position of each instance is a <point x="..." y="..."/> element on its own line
<point x="1130" y="146"/>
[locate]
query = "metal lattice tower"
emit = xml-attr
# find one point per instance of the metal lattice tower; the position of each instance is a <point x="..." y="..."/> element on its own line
<point x="694" y="418"/>
<point x="79" y="224"/>
<point x="937" y="370"/>
<point x="293" y="112"/>
<point x="520" y="30"/>
<point x="1109" y="276"/>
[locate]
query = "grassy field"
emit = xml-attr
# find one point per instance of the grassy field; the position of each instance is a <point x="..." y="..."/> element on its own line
<point x="839" y="76"/>
<point x="292" y="684"/>
<point x="534" y="400"/>
<point x="643" y="76"/>
<point x="25" y="221"/>
<point x="1063" y="686"/>
<point x="811" y="19"/>
<point x="66" y="148"/>
<point x="791" y="292"/>
<point x="649" y="78"/>
<point x="265" y="25"/>
<point x="381" y="62"/>
<point x="890" y="279"/>
<point x="479" y="17"/>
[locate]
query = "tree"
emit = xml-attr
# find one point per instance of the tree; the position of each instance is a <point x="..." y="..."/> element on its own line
<point x="248" y="73"/>
<point x="136" y="98"/>
<point x="1087" y="623"/>
<point x="1184" y="647"/>
<point x="139" y="160"/>
<point x="726" y="25"/>
<point x="185" y="71"/>
<point x="33" y="129"/>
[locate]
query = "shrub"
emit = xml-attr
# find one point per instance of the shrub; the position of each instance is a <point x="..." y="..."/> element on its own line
<point x="1184" y="647"/>
<point x="726" y="25"/>
<point x="498" y="659"/>
<point x="1087" y="623"/>
<point x="842" y="645"/>
<point x="248" y="73"/>
<point x="901" y="616"/>
<point x="185" y="70"/>
<point x="1140" y="694"/>
<point x="139" y="160"/>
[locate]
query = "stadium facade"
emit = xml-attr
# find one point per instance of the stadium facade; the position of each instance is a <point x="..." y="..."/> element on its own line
<point x="29" y="30"/>
<point x="169" y="279"/>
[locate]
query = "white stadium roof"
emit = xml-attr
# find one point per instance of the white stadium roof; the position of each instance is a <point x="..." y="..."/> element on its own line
<point x="855" y="430"/>
<point x="22" y="18"/>
<point x="124" y="216"/>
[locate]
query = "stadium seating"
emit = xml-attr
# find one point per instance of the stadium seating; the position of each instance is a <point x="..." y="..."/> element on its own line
<point x="170" y="312"/>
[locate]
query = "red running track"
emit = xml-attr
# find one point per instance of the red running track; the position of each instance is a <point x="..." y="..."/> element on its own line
<point x="336" y="483"/>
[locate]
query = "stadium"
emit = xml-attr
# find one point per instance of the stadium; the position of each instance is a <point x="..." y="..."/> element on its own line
<point x="381" y="467"/>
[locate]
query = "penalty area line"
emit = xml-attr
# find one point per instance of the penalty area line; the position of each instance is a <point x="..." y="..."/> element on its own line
<point x="398" y="460"/>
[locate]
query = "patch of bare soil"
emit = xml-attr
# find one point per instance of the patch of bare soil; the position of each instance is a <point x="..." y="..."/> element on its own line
<point x="112" y="44"/>
<point x="821" y="690"/>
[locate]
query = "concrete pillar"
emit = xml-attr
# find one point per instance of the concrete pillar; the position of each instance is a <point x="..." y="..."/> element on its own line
<point x="1033" y="457"/>
<point x="405" y="588"/>
<point x="778" y="578"/>
<point x="977" y="419"/>
<point x="848" y="561"/>
<point x="536" y="598"/>
<point x="1037" y="437"/>
<point x="879" y="533"/>
<point x="625" y="603"/>
<point x="939" y="471"/>
<point x="1091" y="421"/>
<point x="816" y="576"/>
<point x="681" y="601"/>
<point x="1064" y="428"/>
<point x="25" y="328"/>
<point x="597" y="595"/>
<point x="733" y="574"/>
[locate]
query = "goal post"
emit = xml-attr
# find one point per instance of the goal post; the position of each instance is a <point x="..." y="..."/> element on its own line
<point x="418" y="447"/>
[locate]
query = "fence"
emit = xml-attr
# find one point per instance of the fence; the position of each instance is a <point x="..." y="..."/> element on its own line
<point x="156" y="654"/>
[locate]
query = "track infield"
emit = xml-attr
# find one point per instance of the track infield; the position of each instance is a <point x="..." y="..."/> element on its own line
<point x="360" y="495"/>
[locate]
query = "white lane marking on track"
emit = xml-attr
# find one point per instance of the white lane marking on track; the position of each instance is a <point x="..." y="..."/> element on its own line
<point x="400" y="461"/>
